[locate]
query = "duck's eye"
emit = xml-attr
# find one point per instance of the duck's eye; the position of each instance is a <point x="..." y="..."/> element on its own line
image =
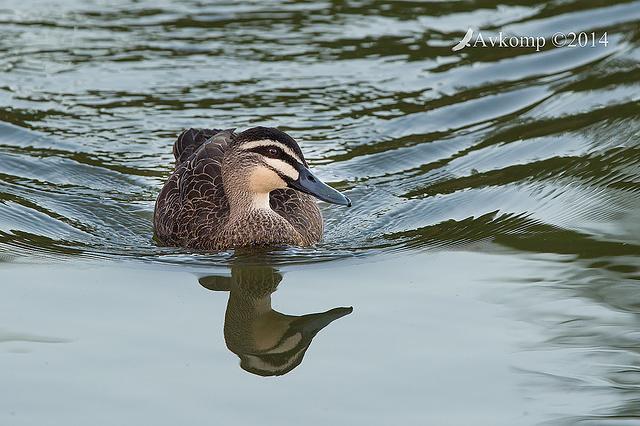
<point x="273" y="152"/>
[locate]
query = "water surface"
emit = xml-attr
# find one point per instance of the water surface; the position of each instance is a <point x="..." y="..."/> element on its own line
<point x="490" y="256"/>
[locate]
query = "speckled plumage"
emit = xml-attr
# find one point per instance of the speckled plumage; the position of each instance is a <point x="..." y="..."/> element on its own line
<point x="193" y="209"/>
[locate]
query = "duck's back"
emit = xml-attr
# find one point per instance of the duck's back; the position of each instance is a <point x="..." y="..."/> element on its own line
<point x="192" y="139"/>
<point x="192" y="208"/>
<point x="192" y="202"/>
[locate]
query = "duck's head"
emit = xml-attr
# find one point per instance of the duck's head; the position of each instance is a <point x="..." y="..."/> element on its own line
<point x="262" y="159"/>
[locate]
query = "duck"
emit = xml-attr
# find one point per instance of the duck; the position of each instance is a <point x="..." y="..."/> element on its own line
<point x="268" y="342"/>
<point x="231" y="190"/>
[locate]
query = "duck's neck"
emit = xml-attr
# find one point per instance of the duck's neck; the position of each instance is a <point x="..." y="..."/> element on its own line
<point x="260" y="202"/>
<point x="242" y="195"/>
<point x="243" y="201"/>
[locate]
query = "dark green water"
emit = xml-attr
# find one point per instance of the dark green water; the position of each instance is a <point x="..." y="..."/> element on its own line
<point x="490" y="256"/>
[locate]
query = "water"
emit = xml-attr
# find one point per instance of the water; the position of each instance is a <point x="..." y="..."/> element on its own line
<point x="490" y="256"/>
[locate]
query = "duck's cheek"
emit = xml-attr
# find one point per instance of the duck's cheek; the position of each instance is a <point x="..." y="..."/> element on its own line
<point x="264" y="180"/>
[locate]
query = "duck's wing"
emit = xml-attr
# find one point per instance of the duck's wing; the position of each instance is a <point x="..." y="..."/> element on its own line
<point x="192" y="204"/>
<point x="189" y="141"/>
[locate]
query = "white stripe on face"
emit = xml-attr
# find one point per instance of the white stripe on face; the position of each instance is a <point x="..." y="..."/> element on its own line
<point x="283" y="167"/>
<point x="270" y="142"/>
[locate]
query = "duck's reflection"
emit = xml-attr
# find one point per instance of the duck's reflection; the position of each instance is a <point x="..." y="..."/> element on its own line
<point x="267" y="342"/>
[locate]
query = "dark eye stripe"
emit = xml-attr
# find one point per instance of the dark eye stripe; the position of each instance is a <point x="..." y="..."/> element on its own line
<point x="264" y="150"/>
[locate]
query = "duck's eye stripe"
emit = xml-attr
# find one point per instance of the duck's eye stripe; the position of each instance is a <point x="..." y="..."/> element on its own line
<point x="266" y="151"/>
<point x="282" y="168"/>
<point x="249" y="146"/>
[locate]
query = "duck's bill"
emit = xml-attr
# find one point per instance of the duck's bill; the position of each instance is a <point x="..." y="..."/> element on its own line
<point x="310" y="184"/>
<point x="309" y="325"/>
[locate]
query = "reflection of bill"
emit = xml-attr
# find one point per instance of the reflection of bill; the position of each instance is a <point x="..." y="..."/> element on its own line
<point x="267" y="342"/>
<point x="464" y="42"/>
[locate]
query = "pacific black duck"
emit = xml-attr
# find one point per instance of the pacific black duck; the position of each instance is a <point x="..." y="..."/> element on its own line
<point x="268" y="343"/>
<point x="233" y="189"/>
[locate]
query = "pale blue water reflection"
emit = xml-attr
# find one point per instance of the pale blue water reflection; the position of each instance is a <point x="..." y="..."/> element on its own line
<point x="420" y="343"/>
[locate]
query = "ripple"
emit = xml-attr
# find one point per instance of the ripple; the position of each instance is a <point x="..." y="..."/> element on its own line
<point x="530" y="151"/>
